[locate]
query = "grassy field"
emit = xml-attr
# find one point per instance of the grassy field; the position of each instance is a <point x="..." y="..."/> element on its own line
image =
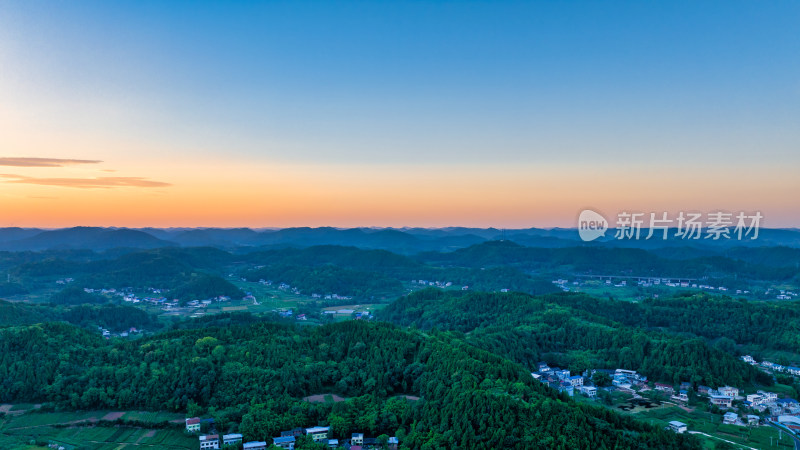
<point x="18" y="431"/>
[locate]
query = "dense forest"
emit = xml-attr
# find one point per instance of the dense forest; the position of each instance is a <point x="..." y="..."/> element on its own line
<point x="252" y="378"/>
<point x="204" y="286"/>
<point x="528" y="329"/>
<point x="111" y="317"/>
<point x="733" y="324"/>
<point x="329" y="279"/>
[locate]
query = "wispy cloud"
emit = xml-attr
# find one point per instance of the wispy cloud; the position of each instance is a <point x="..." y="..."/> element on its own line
<point x="86" y="183"/>
<point x="43" y="162"/>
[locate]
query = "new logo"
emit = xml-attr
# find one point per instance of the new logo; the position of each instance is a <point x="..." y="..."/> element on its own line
<point x="591" y="225"/>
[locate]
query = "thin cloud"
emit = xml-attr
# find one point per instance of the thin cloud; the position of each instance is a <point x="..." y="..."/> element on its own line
<point x="44" y="162"/>
<point x="87" y="183"/>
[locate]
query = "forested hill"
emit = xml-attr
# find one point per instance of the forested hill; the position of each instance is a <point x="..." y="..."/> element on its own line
<point x="112" y="317"/>
<point x="528" y="329"/>
<point x="251" y="378"/>
<point x="733" y="324"/>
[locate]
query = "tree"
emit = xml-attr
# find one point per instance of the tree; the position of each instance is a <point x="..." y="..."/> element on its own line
<point x="193" y="409"/>
<point x="601" y="379"/>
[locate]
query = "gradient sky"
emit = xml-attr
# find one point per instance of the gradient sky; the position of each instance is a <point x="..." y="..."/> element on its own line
<point x="505" y="114"/>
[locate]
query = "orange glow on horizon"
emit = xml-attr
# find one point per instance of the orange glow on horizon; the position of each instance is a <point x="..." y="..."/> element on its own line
<point x="226" y="194"/>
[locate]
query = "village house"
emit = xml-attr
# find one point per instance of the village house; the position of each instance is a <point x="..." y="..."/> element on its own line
<point x="562" y="374"/>
<point x="589" y="391"/>
<point x="285" y="442"/>
<point x="730" y="418"/>
<point x="254" y="445"/>
<point x="210" y="441"/>
<point x="749" y="359"/>
<point x="683" y="396"/>
<point x="296" y="432"/>
<point x="770" y="397"/>
<point x="576" y="380"/>
<point x="231" y="439"/>
<point x="756" y="399"/>
<point x="788" y="405"/>
<point x="723" y="401"/>
<point x="318" y="434"/>
<point x="705" y="390"/>
<point x="793" y="370"/>
<point x="665" y="388"/>
<point x="731" y="392"/>
<point x="678" y="427"/>
<point x="193" y="425"/>
<point x="357" y="439"/>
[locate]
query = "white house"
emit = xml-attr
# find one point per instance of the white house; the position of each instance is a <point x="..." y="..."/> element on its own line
<point x="318" y="434"/>
<point x="589" y="391"/>
<point x="749" y="359"/>
<point x="769" y="397"/>
<point x="255" y="445"/>
<point x="756" y="399"/>
<point x="193" y="425"/>
<point x="210" y="441"/>
<point x="678" y="427"/>
<point x="729" y="391"/>
<point x="231" y="439"/>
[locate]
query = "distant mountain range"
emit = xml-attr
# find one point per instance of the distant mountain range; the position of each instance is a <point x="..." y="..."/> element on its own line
<point x="399" y="240"/>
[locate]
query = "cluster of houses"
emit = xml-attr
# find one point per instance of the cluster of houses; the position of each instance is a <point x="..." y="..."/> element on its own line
<point x="129" y="296"/>
<point x="288" y="438"/>
<point x="65" y="281"/>
<point x="624" y="379"/>
<point x="773" y="367"/>
<point x="723" y="397"/>
<point x="439" y="284"/>
<point x="632" y="382"/>
<point x="108" y="334"/>
<point x="357" y="315"/>
<point x="563" y="381"/>
<point x="783" y="295"/>
<point x="647" y="282"/>
<point x="322" y="435"/>
<point x="730" y="418"/>
<point x="294" y="290"/>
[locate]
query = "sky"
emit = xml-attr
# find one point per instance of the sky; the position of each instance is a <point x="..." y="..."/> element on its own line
<point x="409" y="113"/>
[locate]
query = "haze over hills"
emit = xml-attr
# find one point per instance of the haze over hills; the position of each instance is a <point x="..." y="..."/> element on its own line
<point x="399" y="240"/>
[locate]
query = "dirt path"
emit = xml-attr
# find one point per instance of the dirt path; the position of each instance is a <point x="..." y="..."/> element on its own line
<point x="724" y="440"/>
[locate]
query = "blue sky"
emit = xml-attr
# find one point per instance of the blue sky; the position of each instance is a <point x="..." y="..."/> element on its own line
<point x="713" y="85"/>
